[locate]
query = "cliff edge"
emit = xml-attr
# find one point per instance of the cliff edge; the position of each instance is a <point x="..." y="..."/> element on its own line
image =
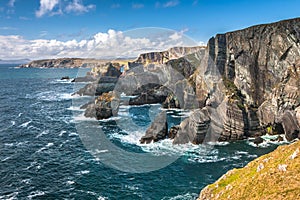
<point x="273" y="176"/>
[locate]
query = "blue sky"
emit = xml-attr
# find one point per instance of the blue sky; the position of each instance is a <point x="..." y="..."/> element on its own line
<point x="67" y="20"/>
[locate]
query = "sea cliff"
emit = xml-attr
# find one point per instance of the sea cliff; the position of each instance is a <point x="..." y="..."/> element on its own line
<point x="63" y="63"/>
<point x="243" y="84"/>
<point x="260" y="71"/>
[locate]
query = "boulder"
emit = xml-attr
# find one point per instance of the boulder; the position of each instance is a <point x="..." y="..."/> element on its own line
<point x="65" y="78"/>
<point x="105" y="106"/>
<point x="173" y="131"/>
<point x="258" y="140"/>
<point x="171" y="102"/>
<point x="87" y="78"/>
<point x="290" y="126"/>
<point x="112" y="71"/>
<point x="278" y="139"/>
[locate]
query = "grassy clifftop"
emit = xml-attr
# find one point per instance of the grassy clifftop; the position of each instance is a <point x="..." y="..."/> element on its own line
<point x="273" y="176"/>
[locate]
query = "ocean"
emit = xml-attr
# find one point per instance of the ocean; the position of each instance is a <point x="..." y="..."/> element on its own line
<point x="42" y="155"/>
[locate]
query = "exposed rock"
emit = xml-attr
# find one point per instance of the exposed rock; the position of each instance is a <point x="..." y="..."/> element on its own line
<point x="63" y="63"/>
<point x="234" y="122"/>
<point x="105" y="106"/>
<point x="258" y="140"/>
<point x="65" y="78"/>
<point x="149" y="97"/>
<point x="193" y="129"/>
<point x="173" y="131"/>
<point x="171" y="102"/>
<point x="158" y="129"/>
<point x="87" y="78"/>
<point x="260" y="82"/>
<point x="290" y="125"/>
<point x="112" y="71"/>
<point x="154" y="83"/>
<point x="183" y="66"/>
<point x="98" y="87"/>
<point x="278" y="139"/>
<point x="280" y="108"/>
<point x="165" y="56"/>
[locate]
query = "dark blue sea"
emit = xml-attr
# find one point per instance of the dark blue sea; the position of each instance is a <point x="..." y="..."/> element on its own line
<point x="42" y="155"/>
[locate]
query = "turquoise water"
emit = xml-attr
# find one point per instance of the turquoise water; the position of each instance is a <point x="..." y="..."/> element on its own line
<point x="43" y="157"/>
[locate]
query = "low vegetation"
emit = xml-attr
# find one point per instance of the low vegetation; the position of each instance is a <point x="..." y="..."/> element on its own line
<point x="272" y="176"/>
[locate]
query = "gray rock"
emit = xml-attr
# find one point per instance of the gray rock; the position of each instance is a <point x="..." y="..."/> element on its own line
<point x="158" y="129"/>
<point x="258" y="140"/>
<point x="193" y="129"/>
<point x="65" y="78"/>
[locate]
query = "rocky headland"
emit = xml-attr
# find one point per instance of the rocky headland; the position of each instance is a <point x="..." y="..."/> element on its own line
<point x="243" y="84"/>
<point x="64" y="63"/>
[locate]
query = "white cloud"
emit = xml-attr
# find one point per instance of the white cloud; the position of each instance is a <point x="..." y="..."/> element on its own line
<point x="11" y="3"/>
<point x="110" y="44"/>
<point x="7" y="28"/>
<point x="77" y="6"/>
<point x="46" y="6"/>
<point x="58" y="7"/>
<point x="171" y="3"/>
<point x="178" y="35"/>
<point x="175" y="36"/>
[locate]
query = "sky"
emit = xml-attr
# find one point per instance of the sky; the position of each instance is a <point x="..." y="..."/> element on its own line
<point x="38" y="29"/>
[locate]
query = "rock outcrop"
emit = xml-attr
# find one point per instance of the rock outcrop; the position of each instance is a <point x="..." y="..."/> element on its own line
<point x="193" y="129"/>
<point x="105" y="106"/>
<point x="245" y="83"/>
<point x="98" y="87"/>
<point x="165" y="56"/>
<point x="279" y="111"/>
<point x="260" y="73"/>
<point x="158" y="129"/>
<point x="273" y="176"/>
<point x="63" y="63"/>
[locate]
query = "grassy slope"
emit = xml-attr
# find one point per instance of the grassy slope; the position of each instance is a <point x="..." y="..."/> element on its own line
<point x="261" y="178"/>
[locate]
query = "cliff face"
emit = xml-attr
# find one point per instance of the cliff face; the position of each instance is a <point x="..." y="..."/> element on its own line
<point x="272" y="176"/>
<point x="257" y="58"/>
<point x="63" y="63"/>
<point x="259" y="67"/>
<point x="165" y="56"/>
